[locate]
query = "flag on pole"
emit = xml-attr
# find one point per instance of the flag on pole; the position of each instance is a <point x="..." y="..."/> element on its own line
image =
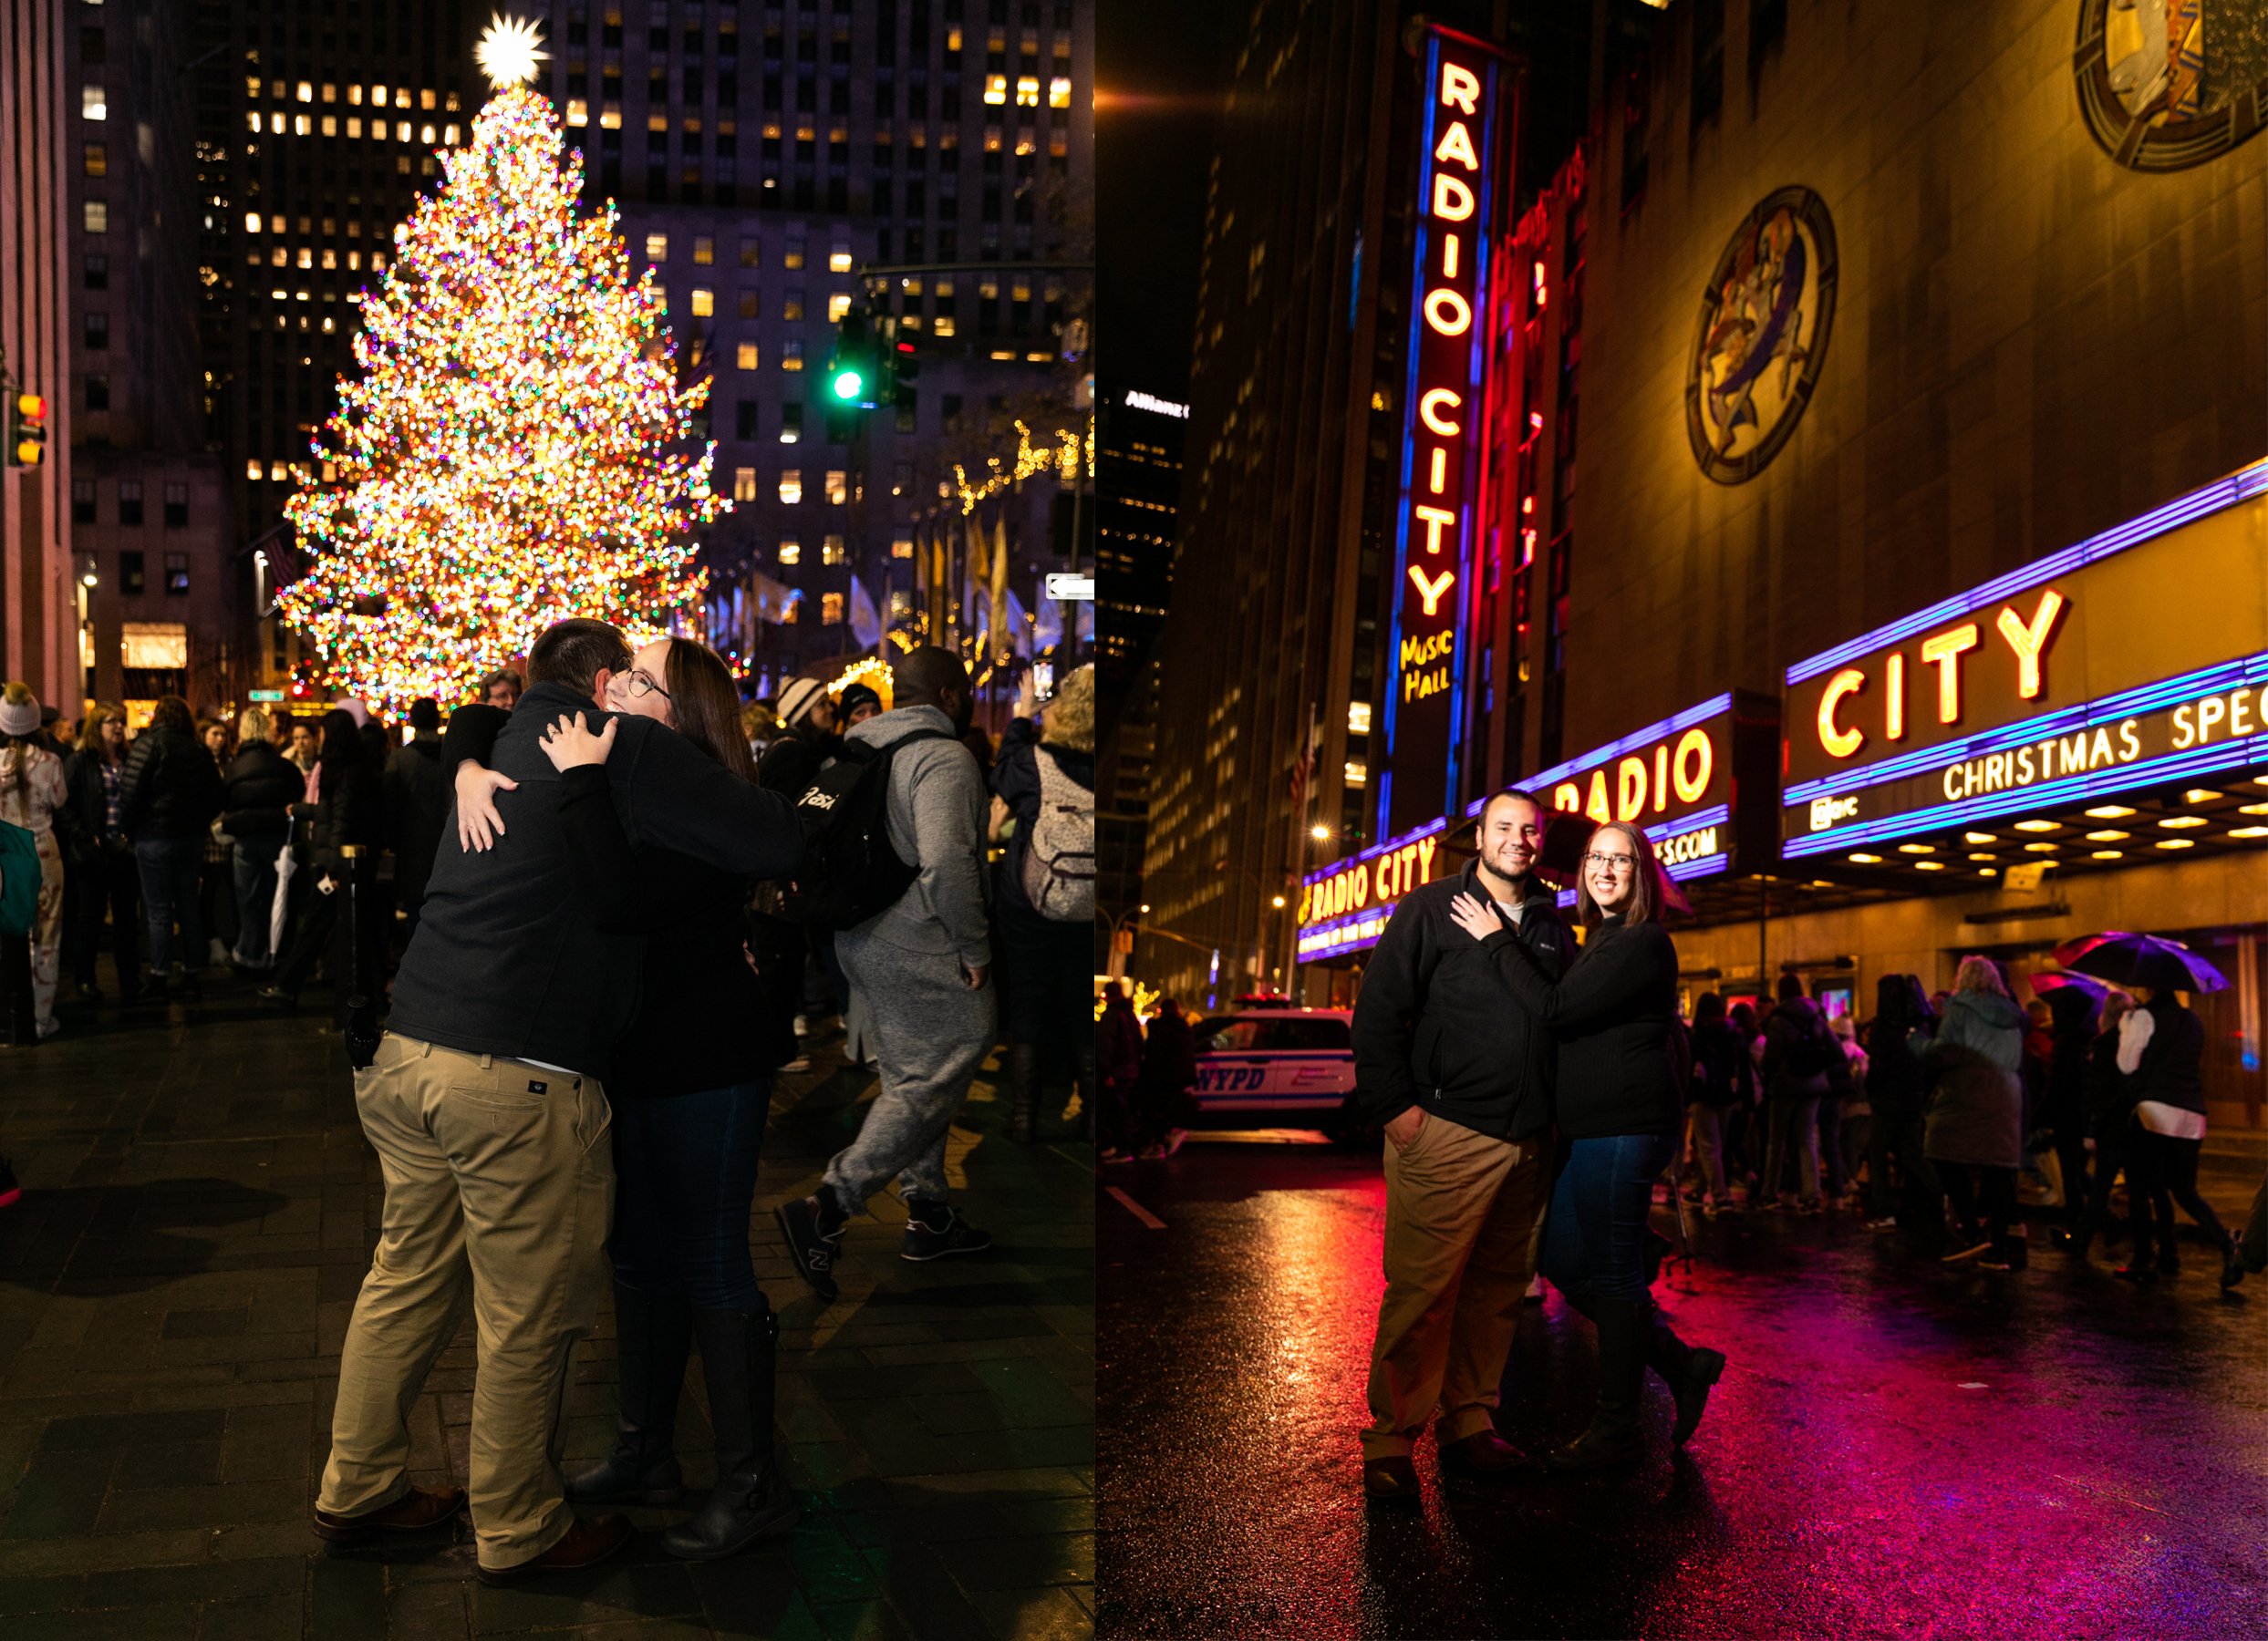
<point x="1003" y="641"/>
<point x="771" y="598"/>
<point x="866" y="626"/>
<point x="1018" y="627"/>
<point x="1048" y="633"/>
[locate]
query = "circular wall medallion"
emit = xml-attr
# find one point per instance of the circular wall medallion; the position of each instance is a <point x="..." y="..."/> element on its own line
<point x="1765" y="319"/>
<point x="2166" y="84"/>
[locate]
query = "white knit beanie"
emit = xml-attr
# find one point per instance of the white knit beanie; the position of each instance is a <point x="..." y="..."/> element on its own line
<point x="19" y="718"/>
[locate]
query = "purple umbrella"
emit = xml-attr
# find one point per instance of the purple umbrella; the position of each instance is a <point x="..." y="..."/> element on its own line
<point x="2129" y="960"/>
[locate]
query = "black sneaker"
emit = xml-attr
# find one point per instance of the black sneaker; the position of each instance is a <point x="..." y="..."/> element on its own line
<point x="813" y="1247"/>
<point x="933" y="1230"/>
<point x="10" y="1192"/>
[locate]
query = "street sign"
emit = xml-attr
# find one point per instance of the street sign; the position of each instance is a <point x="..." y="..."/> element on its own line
<point x="265" y="695"/>
<point x="1075" y="588"/>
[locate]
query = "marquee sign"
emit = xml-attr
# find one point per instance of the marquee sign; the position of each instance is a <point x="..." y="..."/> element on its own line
<point x="2130" y="660"/>
<point x="1344" y="907"/>
<point x="1698" y="782"/>
<point x="1441" y="400"/>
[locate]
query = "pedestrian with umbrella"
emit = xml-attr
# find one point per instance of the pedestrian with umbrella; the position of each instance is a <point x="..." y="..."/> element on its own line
<point x="2162" y="1046"/>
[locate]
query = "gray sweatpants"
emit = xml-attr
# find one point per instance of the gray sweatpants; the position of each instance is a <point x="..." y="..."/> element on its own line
<point x="929" y="1033"/>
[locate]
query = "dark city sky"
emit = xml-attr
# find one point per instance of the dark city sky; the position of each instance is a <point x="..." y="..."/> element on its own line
<point x="1160" y="67"/>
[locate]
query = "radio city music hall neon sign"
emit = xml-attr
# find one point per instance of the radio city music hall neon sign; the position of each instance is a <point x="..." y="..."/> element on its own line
<point x="1442" y="415"/>
<point x="1643" y="781"/>
<point x="2023" y="639"/>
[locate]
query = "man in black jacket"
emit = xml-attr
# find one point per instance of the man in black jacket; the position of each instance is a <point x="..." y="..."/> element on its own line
<point x="416" y="806"/>
<point x="486" y="1107"/>
<point x="1460" y="1076"/>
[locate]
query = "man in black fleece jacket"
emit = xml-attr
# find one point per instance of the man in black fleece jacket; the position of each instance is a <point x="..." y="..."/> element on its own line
<point x="485" y="1105"/>
<point x="1461" y="1077"/>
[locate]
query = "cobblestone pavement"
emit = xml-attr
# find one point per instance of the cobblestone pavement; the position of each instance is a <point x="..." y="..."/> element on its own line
<point x="199" y="1209"/>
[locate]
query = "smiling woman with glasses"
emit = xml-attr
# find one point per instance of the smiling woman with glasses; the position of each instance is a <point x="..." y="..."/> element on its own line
<point x="1625" y="1064"/>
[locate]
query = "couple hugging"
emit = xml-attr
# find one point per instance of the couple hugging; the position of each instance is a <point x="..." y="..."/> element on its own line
<point x="1532" y="1091"/>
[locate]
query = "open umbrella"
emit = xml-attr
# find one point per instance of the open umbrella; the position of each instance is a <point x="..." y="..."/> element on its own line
<point x="2048" y="980"/>
<point x="2151" y="960"/>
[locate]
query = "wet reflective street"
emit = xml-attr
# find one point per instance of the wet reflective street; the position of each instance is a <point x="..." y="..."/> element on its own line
<point x="1896" y="1447"/>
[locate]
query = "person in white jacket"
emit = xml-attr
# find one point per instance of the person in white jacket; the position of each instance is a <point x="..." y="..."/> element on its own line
<point x="31" y="793"/>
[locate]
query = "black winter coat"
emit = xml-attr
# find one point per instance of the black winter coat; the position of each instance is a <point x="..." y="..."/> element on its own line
<point x="417" y="800"/>
<point x="172" y="786"/>
<point x="261" y="787"/>
<point x="345" y="811"/>
<point x="1724" y="1075"/>
<point x="1615" y="1019"/>
<point x="82" y="778"/>
<point x="1431" y="1028"/>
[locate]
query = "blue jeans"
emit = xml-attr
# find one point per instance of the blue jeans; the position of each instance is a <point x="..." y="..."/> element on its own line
<point x="170" y="869"/>
<point x="684" y="1176"/>
<point x="256" y="898"/>
<point x="1595" y="1236"/>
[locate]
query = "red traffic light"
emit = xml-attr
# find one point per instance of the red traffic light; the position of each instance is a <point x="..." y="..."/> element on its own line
<point x="28" y="429"/>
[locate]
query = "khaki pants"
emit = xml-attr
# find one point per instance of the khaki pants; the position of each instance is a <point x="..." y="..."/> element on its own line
<point x="1463" y="1217"/>
<point x="497" y="1177"/>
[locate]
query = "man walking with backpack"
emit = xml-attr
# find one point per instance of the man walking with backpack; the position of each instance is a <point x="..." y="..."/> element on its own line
<point x="1047" y="898"/>
<point x="921" y="961"/>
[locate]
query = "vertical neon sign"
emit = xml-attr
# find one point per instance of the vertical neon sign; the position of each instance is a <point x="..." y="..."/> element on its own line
<point x="1441" y="427"/>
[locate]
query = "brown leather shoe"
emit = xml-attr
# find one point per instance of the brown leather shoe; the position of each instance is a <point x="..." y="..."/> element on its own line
<point x="1392" y="1477"/>
<point x="1483" y="1453"/>
<point x="585" y="1544"/>
<point x="420" y="1508"/>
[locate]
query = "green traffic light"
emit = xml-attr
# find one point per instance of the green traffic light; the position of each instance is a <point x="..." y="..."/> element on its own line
<point x="847" y="385"/>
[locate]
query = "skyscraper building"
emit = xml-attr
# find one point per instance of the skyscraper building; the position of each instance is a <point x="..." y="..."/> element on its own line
<point x="38" y="602"/>
<point x="152" y="536"/>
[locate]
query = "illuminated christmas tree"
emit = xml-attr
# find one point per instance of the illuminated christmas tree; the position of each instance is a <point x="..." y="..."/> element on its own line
<point x="514" y="454"/>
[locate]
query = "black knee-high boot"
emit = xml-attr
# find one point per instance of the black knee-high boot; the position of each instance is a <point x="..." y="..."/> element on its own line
<point x="1689" y="1370"/>
<point x="1625" y="1327"/>
<point x="653" y="1337"/>
<point x="752" y="1500"/>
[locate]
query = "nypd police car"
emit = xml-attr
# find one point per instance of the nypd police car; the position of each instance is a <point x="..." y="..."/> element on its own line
<point x="1264" y="1062"/>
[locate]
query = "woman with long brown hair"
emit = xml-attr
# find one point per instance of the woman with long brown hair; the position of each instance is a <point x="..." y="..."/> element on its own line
<point x="1623" y="1070"/>
<point x="691" y="1094"/>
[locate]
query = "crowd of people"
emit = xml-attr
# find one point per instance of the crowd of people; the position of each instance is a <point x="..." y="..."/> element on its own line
<point x="1926" y="1118"/>
<point x="619" y="899"/>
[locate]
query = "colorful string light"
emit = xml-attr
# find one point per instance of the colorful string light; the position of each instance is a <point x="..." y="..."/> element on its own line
<point x="514" y="454"/>
<point x="1063" y="457"/>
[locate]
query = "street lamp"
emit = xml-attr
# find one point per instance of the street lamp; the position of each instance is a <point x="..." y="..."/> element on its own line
<point x="1320" y="832"/>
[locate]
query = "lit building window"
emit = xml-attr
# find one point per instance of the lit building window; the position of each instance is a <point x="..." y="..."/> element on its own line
<point x="996" y="88"/>
<point x="330" y="125"/>
<point x="331" y="93"/>
<point x="92" y="103"/>
<point x="944" y="324"/>
<point x="791" y="551"/>
<point x="792" y="306"/>
<point x="831" y="609"/>
<point x="1058" y="92"/>
<point x="252" y="221"/>
<point x="95" y="216"/>
<point x="331" y="257"/>
<point x="354" y="125"/>
<point x="306" y="257"/>
<point x="902" y="547"/>
<point x="745" y="357"/>
<point x="656" y="247"/>
<point x="791" y="424"/>
<point x="610" y="118"/>
<point x="790" y="492"/>
<point x="401" y="130"/>
<point x="276" y="124"/>
<point x="353" y="96"/>
<point x="838" y="305"/>
<point x="839" y="259"/>
<point x="1027" y="91"/>
<point x="704" y="250"/>
<point x="449" y="135"/>
<point x="276" y="472"/>
<point x="252" y="469"/>
<point x="838" y="487"/>
<point x="832" y="550"/>
<point x="704" y="302"/>
<point x="578" y="110"/>
<point x="744" y="484"/>
<point x="1357" y="772"/>
<point x="252" y="122"/>
<point x="657" y="123"/>
<point x="791" y="355"/>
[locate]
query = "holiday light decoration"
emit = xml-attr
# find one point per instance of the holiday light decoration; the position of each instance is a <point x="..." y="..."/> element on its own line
<point x="1064" y="458"/>
<point x="514" y="454"/>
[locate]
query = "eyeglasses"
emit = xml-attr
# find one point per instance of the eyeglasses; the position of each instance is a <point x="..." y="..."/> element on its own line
<point x="1609" y="863"/>
<point x="642" y="684"/>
